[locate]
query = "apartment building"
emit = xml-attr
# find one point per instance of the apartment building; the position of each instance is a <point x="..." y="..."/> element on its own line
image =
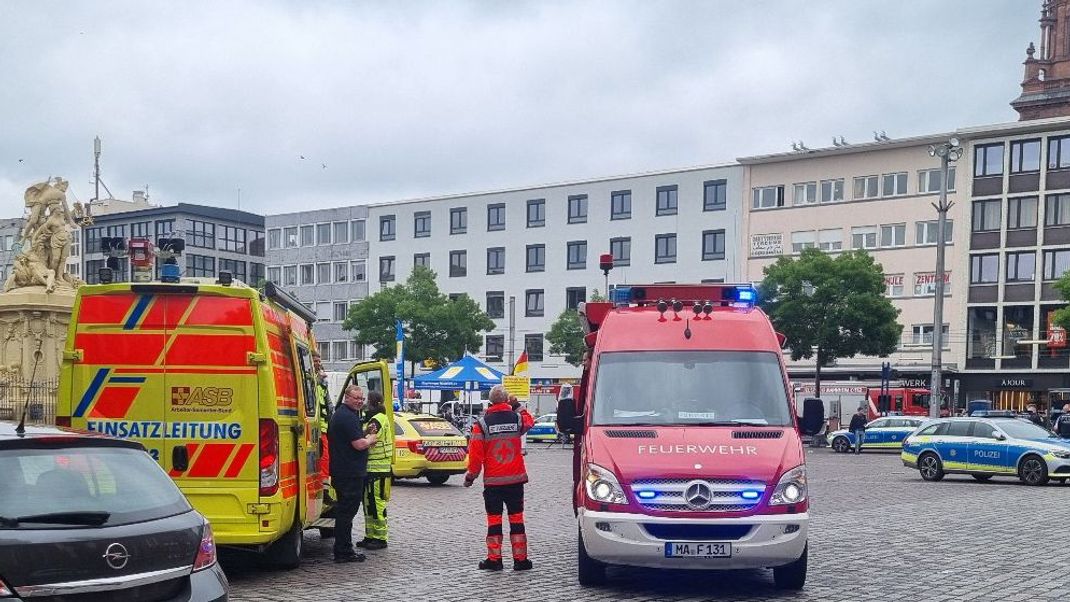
<point x="322" y="257"/>
<point x="877" y="196"/>
<point x="536" y="249"/>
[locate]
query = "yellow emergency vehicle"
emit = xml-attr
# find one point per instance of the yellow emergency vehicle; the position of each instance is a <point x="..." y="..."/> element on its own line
<point x="216" y="379"/>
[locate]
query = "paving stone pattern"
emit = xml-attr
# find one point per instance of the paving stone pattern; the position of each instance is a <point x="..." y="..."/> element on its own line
<point x="878" y="533"/>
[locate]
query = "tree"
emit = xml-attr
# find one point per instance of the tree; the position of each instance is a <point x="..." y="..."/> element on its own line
<point x="436" y="327"/>
<point x="830" y="308"/>
<point x="566" y="334"/>
<point x="1061" y="317"/>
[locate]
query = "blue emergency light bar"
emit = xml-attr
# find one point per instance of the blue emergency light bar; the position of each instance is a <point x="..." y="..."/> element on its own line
<point x="620" y="296"/>
<point x="728" y="294"/>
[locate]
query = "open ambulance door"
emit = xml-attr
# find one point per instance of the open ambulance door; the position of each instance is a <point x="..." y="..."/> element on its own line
<point x="372" y="376"/>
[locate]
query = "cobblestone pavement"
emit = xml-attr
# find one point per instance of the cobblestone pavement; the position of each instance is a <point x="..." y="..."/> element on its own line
<point x="878" y="533"/>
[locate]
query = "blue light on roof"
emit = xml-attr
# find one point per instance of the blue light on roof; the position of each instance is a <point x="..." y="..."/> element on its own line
<point x="621" y="295"/>
<point x="647" y="495"/>
<point x="751" y="495"/>
<point x="747" y="295"/>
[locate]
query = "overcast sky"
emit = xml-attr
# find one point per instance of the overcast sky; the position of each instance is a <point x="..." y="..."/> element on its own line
<point x="405" y="99"/>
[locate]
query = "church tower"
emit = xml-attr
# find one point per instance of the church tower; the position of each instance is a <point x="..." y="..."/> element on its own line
<point x="1046" y="87"/>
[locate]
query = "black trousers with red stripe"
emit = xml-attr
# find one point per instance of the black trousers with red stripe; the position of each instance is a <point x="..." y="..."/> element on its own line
<point x="509" y="498"/>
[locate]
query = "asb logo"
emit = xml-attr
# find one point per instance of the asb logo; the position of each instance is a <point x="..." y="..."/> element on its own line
<point x="201" y="399"/>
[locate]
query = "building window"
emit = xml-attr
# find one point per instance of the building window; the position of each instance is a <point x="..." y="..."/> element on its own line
<point x="864" y="237"/>
<point x="533" y="345"/>
<point x="712" y="245"/>
<point x="204" y="266"/>
<point x="893" y="235"/>
<point x="925" y="284"/>
<point x="667" y="201"/>
<point x="356" y="350"/>
<point x="358" y="271"/>
<point x="256" y="273"/>
<point x="308" y="235"/>
<point x="323" y="234"/>
<point x="715" y="195"/>
<point x="930" y="180"/>
<point x="141" y="230"/>
<point x="458" y="220"/>
<point x="984" y="269"/>
<point x="536" y="258"/>
<point x="387" y="227"/>
<point x="536" y="213"/>
<point x="988" y="160"/>
<point x="341" y="308"/>
<point x="325" y="350"/>
<point x="421" y="224"/>
<point x="866" y="187"/>
<point x="1025" y="156"/>
<point x="893" y="285"/>
<point x="981" y="333"/>
<point x="768" y="197"/>
<point x="926" y="232"/>
<point x="577" y="255"/>
<point x="357" y="230"/>
<point x="923" y="335"/>
<point x="1057" y="210"/>
<point x="986" y="216"/>
<point x="232" y="238"/>
<point x="421" y="260"/>
<point x="92" y="240"/>
<point x="275" y="238"/>
<point x="665" y="248"/>
<point x="1056" y="263"/>
<point x="574" y="295"/>
<point x="1021" y="267"/>
<point x="496" y="304"/>
<point x="832" y="190"/>
<point x="805" y="193"/>
<point x="620" y="204"/>
<point x="165" y="228"/>
<point x="621" y="248"/>
<point x="92" y="271"/>
<point x="323" y="273"/>
<point x="308" y="274"/>
<point x="1022" y="213"/>
<point x="577" y="209"/>
<point x="201" y="234"/>
<point x="341" y="272"/>
<point x="341" y="232"/>
<point x="274" y="274"/>
<point x="458" y="264"/>
<point x="494" y="348"/>
<point x="1059" y="152"/>
<point x="805" y="239"/>
<point x="339" y="350"/>
<point x="894" y="184"/>
<point x="496" y="217"/>
<point x="830" y="240"/>
<point x="496" y="260"/>
<point x="386" y="269"/>
<point x="534" y="303"/>
<point x="256" y="243"/>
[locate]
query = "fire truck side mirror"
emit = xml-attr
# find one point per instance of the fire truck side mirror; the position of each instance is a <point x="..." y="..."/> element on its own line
<point x="567" y="421"/>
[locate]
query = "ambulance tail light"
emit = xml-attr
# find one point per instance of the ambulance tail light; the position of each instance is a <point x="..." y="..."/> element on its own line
<point x="206" y="554"/>
<point x="269" y="457"/>
<point x="416" y="446"/>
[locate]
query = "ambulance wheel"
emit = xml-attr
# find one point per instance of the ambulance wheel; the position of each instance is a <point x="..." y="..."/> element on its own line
<point x="982" y="477"/>
<point x="841" y="445"/>
<point x="1033" y="470"/>
<point x="326" y="532"/>
<point x="590" y="571"/>
<point x="286" y="552"/>
<point x="930" y="467"/>
<point x="438" y="479"/>
<point x="791" y="576"/>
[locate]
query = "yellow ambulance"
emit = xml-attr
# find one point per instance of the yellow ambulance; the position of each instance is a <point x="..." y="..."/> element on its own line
<point x="215" y="378"/>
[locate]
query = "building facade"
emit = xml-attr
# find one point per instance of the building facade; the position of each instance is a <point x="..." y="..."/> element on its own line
<point x="10" y="232"/>
<point x="525" y="255"/>
<point x="322" y="258"/>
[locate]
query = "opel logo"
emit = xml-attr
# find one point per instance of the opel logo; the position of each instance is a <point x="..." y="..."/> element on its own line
<point x="698" y="495"/>
<point x="116" y="556"/>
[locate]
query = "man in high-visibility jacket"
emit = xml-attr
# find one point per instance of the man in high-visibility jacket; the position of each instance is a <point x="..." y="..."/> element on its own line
<point x="324" y="397"/>
<point x="495" y="449"/>
<point x="377" y="484"/>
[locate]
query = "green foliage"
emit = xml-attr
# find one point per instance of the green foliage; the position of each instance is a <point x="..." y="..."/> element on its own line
<point x="834" y="307"/>
<point x="437" y="328"/>
<point x="566" y="334"/>
<point x="1061" y="317"/>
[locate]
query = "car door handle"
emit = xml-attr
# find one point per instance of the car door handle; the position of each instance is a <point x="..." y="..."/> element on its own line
<point x="180" y="458"/>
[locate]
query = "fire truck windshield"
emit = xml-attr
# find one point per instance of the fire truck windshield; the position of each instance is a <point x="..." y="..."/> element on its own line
<point x="690" y="388"/>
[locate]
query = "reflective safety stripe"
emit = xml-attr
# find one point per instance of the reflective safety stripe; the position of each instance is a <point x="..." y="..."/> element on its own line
<point x="506" y="480"/>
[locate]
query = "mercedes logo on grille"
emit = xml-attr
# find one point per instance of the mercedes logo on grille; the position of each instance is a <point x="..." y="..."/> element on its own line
<point x="116" y="556"/>
<point x="698" y="495"/>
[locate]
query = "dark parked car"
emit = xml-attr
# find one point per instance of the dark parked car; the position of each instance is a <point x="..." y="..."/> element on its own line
<point x="86" y="517"/>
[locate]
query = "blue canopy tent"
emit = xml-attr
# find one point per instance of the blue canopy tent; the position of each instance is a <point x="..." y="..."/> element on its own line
<point x="466" y="374"/>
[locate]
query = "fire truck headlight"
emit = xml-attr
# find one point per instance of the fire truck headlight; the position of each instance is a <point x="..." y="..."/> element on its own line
<point x="603" y="486"/>
<point x="791" y="489"/>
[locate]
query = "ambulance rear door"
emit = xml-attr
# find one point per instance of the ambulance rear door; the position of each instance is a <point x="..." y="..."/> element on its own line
<point x="307" y="441"/>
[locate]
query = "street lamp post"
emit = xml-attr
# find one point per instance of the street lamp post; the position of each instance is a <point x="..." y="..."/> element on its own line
<point x="949" y="152"/>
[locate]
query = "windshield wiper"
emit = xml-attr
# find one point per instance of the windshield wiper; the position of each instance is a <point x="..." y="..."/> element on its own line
<point x="632" y="424"/>
<point x="8" y="522"/>
<point x="84" y="517"/>
<point x="737" y="422"/>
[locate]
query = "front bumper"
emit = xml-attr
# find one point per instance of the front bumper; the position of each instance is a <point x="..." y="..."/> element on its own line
<point x="412" y="469"/>
<point x="627" y="542"/>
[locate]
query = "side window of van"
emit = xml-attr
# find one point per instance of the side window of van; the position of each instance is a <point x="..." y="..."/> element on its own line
<point x="308" y="380"/>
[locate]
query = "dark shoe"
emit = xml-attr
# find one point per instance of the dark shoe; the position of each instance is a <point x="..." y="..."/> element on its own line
<point x="362" y="543"/>
<point x="490" y="565"/>
<point x="374" y="544"/>
<point x="522" y="565"/>
<point x="350" y="558"/>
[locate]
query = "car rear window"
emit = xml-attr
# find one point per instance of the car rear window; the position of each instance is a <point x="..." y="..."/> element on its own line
<point x="126" y="484"/>
<point x="430" y="427"/>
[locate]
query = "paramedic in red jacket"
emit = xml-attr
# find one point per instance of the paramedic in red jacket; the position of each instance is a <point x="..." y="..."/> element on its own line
<point x="495" y="449"/>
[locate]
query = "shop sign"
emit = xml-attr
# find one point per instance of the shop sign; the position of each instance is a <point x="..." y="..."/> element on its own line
<point x="1016" y="383"/>
<point x="766" y="245"/>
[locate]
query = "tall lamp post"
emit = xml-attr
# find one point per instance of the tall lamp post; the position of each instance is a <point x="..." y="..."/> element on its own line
<point x="949" y="152"/>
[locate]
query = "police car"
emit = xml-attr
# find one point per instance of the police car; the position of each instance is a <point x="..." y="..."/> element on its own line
<point x="882" y="433"/>
<point x="545" y="428"/>
<point x="987" y="447"/>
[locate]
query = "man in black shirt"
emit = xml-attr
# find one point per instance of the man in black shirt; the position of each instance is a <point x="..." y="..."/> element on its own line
<point x="349" y="466"/>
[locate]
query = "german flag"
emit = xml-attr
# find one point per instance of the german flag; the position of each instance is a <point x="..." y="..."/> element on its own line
<point x="521" y="366"/>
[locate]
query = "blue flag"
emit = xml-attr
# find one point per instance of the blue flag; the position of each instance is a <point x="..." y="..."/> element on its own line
<point x="400" y="354"/>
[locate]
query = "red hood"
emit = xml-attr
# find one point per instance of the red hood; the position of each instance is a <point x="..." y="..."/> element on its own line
<point x="691" y="452"/>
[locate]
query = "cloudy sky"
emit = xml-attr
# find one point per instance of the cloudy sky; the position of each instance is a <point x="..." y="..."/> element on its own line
<point x="385" y="101"/>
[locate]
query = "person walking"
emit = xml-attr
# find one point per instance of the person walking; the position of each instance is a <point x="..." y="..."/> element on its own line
<point x="858" y="428"/>
<point x="377" y="485"/>
<point x="349" y="465"/>
<point x="495" y="450"/>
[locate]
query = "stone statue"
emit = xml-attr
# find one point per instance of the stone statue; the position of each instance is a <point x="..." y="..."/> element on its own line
<point x="45" y="241"/>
